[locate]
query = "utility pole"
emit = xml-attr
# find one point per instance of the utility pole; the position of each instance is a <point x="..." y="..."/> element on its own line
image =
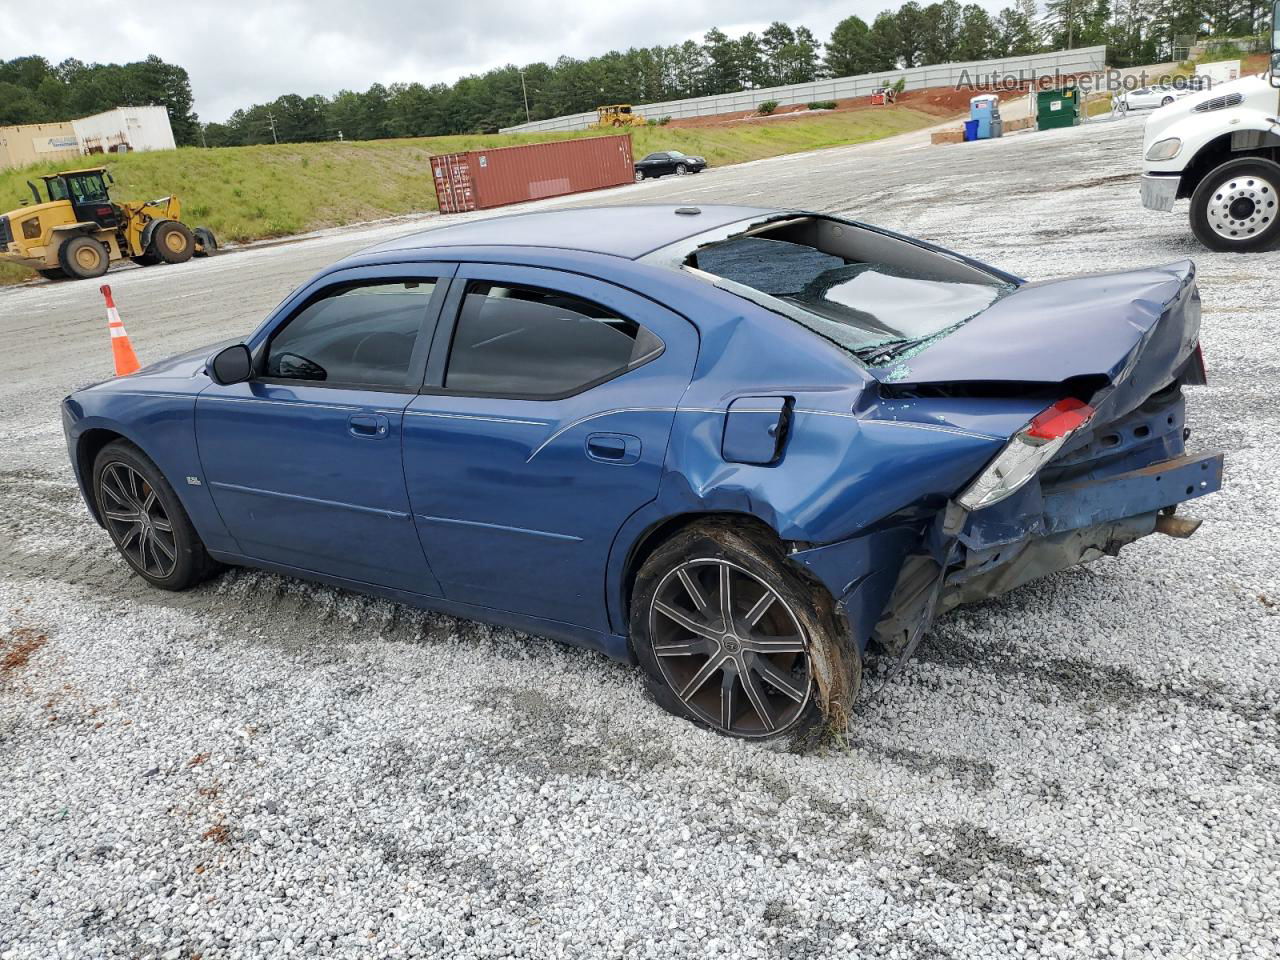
<point x="271" y="122"/>
<point x="202" y="141"/>
<point x="525" y="91"/>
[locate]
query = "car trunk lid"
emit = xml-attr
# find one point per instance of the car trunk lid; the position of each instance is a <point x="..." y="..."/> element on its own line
<point x="1122" y="335"/>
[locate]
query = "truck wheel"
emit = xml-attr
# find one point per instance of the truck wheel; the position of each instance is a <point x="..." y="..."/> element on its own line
<point x="83" y="258"/>
<point x="53" y="274"/>
<point x="735" y="640"/>
<point x="173" y="242"/>
<point x="1236" y="207"/>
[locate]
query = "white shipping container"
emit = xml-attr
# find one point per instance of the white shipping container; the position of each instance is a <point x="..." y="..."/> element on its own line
<point x="125" y="130"/>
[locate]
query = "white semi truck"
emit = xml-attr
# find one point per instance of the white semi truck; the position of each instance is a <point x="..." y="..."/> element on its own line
<point x="1221" y="148"/>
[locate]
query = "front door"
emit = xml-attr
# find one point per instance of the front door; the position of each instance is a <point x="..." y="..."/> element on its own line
<point x="304" y="461"/>
<point x="544" y="426"/>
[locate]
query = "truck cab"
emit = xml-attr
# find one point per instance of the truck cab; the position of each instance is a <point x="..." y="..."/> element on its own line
<point x="1221" y="148"/>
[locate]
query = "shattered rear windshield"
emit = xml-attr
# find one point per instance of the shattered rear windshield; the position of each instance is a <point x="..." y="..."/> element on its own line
<point x="874" y="310"/>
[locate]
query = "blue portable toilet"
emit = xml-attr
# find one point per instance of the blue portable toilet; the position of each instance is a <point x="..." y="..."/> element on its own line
<point x="985" y="109"/>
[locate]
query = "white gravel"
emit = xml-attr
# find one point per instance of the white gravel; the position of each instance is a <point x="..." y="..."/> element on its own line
<point x="1087" y="767"/>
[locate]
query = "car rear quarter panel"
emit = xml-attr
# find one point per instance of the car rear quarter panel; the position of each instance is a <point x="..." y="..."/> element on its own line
<point x="852" y="465"/>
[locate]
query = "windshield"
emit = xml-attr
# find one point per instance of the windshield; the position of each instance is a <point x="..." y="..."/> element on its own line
<point x="674" y="154"/>
<point x="873" y="309"/>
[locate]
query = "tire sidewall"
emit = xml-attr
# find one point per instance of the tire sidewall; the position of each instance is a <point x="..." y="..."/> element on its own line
<point x="192" y="559"/>
<point x="68" y="263"/>
<point x="1199" y="198"/>
<point x="163" y="253"/>
<point x="828" y="654"/>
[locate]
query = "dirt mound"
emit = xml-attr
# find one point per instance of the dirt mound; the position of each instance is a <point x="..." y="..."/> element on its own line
<point x="941" y="101"/>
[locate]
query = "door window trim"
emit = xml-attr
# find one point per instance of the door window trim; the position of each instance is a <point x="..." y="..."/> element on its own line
<point x="422" y="344"/>
<point x="451" y="312"/>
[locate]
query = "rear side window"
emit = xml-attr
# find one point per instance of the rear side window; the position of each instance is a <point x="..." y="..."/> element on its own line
<point x="360" y="335"/>
<point x="526" y="342"/>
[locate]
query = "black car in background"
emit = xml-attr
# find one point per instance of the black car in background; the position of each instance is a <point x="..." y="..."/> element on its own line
<point x="672" y="161"/>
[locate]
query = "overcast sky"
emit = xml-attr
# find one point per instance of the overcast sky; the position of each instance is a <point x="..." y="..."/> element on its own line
<point x="240" y="52"/>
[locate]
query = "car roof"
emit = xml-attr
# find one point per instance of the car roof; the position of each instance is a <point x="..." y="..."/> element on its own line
<point x="620" y="231"/>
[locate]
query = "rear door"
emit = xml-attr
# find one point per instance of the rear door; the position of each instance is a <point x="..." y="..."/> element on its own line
<point x="304" y="461"/>
<point x="544" y="426"/>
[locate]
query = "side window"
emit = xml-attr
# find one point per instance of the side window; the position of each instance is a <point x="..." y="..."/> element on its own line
<point x="360" y="335"/>
<point x="526" y="342"/>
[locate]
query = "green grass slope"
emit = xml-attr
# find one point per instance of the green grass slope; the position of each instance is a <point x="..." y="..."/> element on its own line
<point x="254" y="193"/>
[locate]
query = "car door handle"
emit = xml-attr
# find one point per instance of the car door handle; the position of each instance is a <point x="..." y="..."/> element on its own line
<point x="368" y="426"/>
<point x="618" y="448"/>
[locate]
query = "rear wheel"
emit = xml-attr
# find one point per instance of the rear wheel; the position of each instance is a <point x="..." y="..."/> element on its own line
<point x="145" y="519"/>
<point x="1237" y="206"/>
<point x="734" y="640"/>
<point x="83" y="258"/>
<point x="639" y="175"/>
<point x="172" y="242"/>
<point x="1166" y="101"/>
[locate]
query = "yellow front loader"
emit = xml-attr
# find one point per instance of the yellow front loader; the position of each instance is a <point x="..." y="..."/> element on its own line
<point x="77" y="231"/>
<point x="618" y="115"/>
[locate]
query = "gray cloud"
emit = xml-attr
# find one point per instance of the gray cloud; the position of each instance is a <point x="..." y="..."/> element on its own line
<point x="239" y="52"/>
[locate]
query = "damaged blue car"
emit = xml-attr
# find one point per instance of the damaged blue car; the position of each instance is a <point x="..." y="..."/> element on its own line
<point x="737" y="446"/>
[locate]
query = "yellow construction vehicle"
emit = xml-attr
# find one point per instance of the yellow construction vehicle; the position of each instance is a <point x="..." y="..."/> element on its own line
<point x="618" y="115"/>
<point x="78" y="231"/>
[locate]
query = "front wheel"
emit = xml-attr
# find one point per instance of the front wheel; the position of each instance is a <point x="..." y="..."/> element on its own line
<point x="681" y="169"/>
<point x="1235" y="207"/>
<point x="734" y="639"/>
<point x="145" y="519"/>
<point x="172" y="242"/>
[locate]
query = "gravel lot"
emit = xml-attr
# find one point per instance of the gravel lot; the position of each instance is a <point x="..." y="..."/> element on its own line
<point x="1087" y="767"/>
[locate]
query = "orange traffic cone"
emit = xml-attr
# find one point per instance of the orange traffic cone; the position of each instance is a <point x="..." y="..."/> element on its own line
<point x="121" y="349"/>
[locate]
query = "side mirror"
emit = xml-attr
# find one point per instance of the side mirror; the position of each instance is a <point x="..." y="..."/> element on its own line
<point x="234" y="364"/>
<point x="110" y="178"/>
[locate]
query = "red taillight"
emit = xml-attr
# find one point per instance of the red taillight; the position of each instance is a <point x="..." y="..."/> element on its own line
<point x="1060" y="419"/>
<point x="1200" y="363"/>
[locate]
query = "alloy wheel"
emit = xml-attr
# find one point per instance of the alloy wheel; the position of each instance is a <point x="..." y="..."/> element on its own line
<point x="730" y="648"/>
<point x="137" y="520"/>
<point x="1242" y="207"/>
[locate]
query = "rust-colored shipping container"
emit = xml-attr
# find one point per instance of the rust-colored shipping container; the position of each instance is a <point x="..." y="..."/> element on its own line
<point x="480" y="179"/>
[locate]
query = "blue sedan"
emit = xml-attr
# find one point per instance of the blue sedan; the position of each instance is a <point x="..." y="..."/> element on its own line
<point x="738" y="446"/>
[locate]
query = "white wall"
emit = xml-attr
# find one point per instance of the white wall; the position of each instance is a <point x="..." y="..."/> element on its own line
<point x="1066" y="62"/>
<point x="139" y="128"/>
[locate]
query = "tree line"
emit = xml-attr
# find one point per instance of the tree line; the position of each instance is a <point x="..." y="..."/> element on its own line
<point x="34" y="91"/>
<point x="915" y="34"/>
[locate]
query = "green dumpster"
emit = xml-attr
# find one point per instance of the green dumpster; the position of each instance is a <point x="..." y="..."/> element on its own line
<point x="1057" y="108"/>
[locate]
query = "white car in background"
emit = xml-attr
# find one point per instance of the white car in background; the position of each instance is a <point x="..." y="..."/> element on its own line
<point x="1149" y="98"/>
